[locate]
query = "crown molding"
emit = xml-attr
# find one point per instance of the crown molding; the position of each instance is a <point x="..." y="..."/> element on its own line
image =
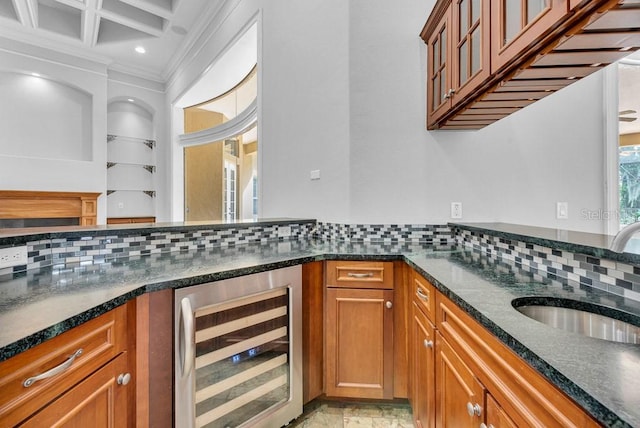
<point x="126" y="78"/>
<point x="204" y="28"/>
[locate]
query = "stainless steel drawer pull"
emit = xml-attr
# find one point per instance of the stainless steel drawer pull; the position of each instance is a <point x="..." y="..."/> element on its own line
<point x="428" y="343"/>
<point x="124" y="379"/>
<point x="421" y="294"/>
<point x="360" y="275"/>
<point x="54" y="371"/>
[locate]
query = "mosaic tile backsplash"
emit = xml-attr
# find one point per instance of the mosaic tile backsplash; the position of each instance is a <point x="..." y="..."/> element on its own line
<point x="621" y="279"/>
<point x="386" y="233"/>
<point x="99" y="248"/>
<point x="615" y="277"/>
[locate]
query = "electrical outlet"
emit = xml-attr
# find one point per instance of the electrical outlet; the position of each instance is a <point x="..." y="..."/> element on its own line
<point x="456" y="209"/>
<point x="13" y="256"/>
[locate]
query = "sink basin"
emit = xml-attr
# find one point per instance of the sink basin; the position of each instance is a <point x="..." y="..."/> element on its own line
<point x="579" y="317"/>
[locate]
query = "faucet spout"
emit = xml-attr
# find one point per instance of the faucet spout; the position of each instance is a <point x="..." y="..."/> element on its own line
<point x="622" y="238"/>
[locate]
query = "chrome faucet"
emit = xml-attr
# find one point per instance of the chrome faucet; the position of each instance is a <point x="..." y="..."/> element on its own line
<point x="620" y="241"/>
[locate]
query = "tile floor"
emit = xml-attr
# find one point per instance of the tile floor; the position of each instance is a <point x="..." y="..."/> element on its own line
<point x="336" y="414"/>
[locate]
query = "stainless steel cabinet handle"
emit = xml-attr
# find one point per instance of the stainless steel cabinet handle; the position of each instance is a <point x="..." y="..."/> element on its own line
<point x="360" y="275"/>
<point x="54" y="371"/>
<point x="389" y="305"/>
<point x="421" y="294"/>
<point x="124" y="378"/>
<point x="428" y="343"/>
<point x="483" y="425"/>
<point x="187" y="337"/>
<point x="474" y="409"/>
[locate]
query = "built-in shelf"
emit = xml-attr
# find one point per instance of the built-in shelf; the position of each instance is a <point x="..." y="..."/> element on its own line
<point x="125" y="139"/>
<point x="150" y="168"/>
<point x="150" y="193"/>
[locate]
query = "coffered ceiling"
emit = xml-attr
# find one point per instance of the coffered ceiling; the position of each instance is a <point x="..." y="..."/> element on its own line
<point x="111" y="29"/>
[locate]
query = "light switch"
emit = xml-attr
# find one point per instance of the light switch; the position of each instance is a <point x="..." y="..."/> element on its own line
<point x="562" y="210"/>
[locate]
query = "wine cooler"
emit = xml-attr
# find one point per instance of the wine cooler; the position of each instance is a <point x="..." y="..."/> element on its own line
<point x="238" y="348"/>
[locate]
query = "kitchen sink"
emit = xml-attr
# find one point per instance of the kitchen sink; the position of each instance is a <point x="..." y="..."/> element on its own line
<point x="579" y="317"/>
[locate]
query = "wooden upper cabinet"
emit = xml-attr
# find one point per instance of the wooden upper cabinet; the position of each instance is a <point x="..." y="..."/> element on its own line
<point x="486" y="59"/>
<point x="470" y="44"/>
<point x="520" y="24"/>
<point x="438" y="76"/>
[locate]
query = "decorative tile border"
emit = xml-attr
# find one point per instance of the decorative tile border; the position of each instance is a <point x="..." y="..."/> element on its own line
<point x="615" y="277"/>
<point x="386" y="233"/>
<point x="95" y="248"/>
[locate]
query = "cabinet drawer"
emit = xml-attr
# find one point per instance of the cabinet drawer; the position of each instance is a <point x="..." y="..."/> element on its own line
<point x="360" y="274"/>
<point x="424" y="295"/>
<point x="99" y="340"/>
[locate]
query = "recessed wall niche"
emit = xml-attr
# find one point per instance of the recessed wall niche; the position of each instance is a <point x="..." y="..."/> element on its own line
<point x="131" y="168"/>
<point x="43" y="118"/>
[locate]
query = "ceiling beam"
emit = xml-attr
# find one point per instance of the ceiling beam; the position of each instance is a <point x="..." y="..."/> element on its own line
<point x="27" y="11"/>
<point x="90" y="23"/>
<point x="151" y="8"/>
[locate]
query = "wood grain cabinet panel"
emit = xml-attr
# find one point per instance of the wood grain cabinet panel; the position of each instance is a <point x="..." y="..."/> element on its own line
<point x="524" y="396"/>
<point x="98" y="402"/>
<point x="423" y="370"/>
<point x="74" y="354"/>
<point x="359" y="274"/>
<point x="359" y="343"/>
<point x="457" y="388"/>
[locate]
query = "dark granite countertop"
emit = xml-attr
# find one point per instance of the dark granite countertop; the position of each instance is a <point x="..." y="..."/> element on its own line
<point x="603" y="377"/>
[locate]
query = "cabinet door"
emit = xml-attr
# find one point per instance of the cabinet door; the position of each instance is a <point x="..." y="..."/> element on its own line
<point x="519" y="24"/>
<point x="438" y="75"/>
<point x="496" y="417"/>
<point x="470" y="46"/>
<point x="359" y="343"/>
<point x="423" y="370"/>
<point x="460" y="397"/>
<point x="98" y="401"/>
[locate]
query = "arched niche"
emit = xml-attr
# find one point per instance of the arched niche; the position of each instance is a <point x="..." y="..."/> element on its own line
<point x="44" y="118"/>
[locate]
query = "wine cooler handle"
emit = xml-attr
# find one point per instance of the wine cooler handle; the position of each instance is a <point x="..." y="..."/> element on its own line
<point x="187" y="339"/>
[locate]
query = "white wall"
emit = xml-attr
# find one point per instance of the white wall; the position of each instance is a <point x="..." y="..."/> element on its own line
<point x="85" y="170"/>
<point x="396" y="171"/>
<point x="342" y="90"/>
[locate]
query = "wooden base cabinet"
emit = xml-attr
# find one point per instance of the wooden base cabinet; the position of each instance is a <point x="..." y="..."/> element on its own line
<point x="423" y="370"/>
<point x="463" y="376"/>
<point x="359" y="343"/>
<point x="359" y="330"/>
<point x="84" y="377"/>
<point x="99" y="401"/>
<point x="460" y="400"/>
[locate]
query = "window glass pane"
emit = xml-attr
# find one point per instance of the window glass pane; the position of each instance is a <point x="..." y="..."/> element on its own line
<point x="534" y="7"/>
<point x="464" y="67"/>
<point x="513" y="19"/>
<point x="475" y="51"/>
<point x="463" y="8"/>
<point x="436" y="55"/>
<point x="443" y="46"/>
<point x="227" y="106"/>
<point x="475" y="10"/>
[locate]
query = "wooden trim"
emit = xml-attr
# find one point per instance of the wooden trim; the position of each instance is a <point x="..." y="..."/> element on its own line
<point x="312" y="331"/>
<point x="142" y="361"/>
<point x="19" y="204"/>
<point x="401" y="329"/>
